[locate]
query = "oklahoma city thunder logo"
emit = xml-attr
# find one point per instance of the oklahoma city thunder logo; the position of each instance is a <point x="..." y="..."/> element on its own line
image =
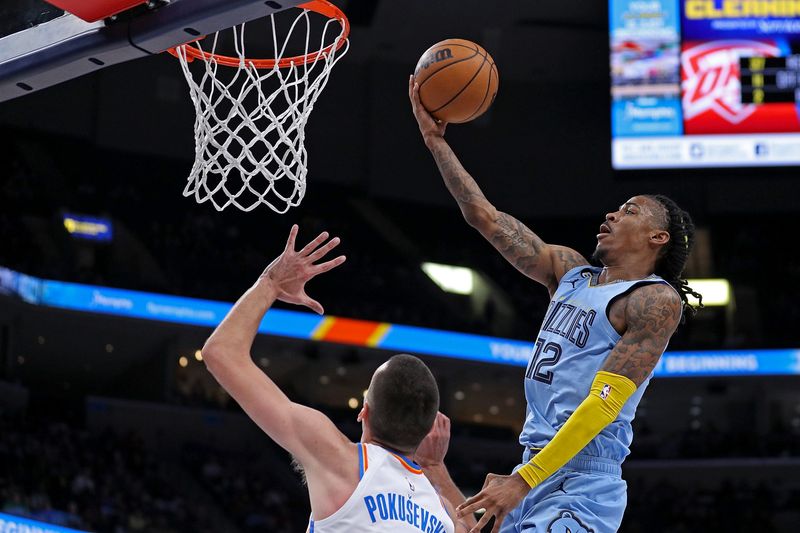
<point x="566" y="523"/>
<point x="711" y="82"/>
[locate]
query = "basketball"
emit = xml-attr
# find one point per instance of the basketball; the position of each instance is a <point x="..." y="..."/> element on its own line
<point x="457" y="80"/>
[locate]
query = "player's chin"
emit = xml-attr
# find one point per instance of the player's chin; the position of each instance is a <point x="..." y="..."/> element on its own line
<point x="600" y="254"/>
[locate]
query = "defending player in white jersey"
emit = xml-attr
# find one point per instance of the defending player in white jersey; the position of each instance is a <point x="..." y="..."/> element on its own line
<point x="368" y="486"/>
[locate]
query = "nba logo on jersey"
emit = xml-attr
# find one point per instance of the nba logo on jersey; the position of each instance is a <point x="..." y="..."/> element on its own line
<point x="605" y="392"/>
<point x="566" y="523"/>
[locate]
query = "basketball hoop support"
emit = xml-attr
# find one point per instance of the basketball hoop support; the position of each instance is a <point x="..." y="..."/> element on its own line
<point x="68" y="47"/>
<point x="96" y="10"/>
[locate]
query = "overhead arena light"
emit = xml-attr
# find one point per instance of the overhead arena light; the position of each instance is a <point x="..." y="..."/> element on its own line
<point x="449" y="278"/>
<point x="716" y="292"/>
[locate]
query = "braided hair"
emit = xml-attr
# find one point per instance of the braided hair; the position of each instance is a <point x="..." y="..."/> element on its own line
<point x="672" y="259"/>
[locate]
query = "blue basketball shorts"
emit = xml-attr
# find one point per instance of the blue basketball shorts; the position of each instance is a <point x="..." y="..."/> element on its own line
<point x="587" y="495"/>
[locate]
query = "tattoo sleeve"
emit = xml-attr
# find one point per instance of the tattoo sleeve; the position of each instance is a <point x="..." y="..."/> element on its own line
<point x="565" y="259"/>
<point x="458" y="181"/>
<point x="514" y="240"/>
<point x="652" y="314"/>
<point x="521" y="247"/>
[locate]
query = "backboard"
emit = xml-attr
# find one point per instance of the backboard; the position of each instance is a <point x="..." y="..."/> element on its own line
<point x="42" y="45"/>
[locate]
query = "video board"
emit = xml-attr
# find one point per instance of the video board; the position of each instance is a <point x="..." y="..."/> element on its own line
<point x="705" y="83"/>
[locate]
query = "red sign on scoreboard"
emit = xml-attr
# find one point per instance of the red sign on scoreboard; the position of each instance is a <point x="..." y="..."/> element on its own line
<point x="712" y="95"/>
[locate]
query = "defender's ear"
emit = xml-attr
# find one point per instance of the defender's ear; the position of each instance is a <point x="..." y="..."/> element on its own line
<point x="362" y="415"/>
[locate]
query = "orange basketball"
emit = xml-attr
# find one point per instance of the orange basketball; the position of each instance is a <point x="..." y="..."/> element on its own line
<point x="457" y="80"/>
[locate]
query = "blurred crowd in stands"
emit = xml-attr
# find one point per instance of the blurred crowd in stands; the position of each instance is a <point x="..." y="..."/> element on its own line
<point x="706" y="441"/>
<point x="59" y="474"/>
<point x="733" y="505"/>
<point x="62" y="474"/>
<point x="255" y="496"/>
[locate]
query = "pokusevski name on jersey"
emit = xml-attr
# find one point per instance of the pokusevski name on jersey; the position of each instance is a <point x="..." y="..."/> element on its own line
<point x="392" y="495"/>
<point x="391" y="506"/>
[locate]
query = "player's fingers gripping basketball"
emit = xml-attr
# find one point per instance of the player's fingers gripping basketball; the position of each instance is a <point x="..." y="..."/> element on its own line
<point x="427" y="124"/>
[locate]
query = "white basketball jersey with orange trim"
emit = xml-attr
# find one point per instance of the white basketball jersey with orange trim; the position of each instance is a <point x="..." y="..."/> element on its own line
<point x="393" y="496"/>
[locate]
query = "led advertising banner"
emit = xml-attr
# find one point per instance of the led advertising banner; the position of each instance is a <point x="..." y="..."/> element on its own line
<point x="16" y="524"/>
<point x="705" y="83"/>
<point x="394" y="337"/>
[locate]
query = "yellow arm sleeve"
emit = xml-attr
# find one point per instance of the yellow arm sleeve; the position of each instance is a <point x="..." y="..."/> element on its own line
<point x="608" y="394"/>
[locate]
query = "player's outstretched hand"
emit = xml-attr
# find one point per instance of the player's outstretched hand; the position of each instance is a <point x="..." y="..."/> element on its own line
<point x="428" y="126"/>
<point x="433" y="447"/>
<point x="290" y="271"/>
<point x="499" y="496"/>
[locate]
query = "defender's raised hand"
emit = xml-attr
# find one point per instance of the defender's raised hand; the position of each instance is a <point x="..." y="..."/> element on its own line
<point x="290" y="271"/>
<point x="433" y="448"/>
<point x="430" y="456"/>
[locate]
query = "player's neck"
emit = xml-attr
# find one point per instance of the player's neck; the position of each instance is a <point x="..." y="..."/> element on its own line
<point x="623" y="272"/>
<point x="388" y="447"/>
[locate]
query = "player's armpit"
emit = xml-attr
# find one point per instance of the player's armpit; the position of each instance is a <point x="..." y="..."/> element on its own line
<point x="563" y="260"/>
<point x="652" y="314"/>
<point x="302" y="431"/>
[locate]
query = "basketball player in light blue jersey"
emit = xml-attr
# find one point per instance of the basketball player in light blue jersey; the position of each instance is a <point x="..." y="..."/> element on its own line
<point x="604" y="331"/>
<point x="372" y="485"/>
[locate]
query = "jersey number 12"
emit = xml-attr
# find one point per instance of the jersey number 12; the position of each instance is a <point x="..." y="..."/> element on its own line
<point x="544" y="356"/>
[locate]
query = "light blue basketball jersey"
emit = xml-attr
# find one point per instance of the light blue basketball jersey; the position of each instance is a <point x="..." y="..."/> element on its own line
<point x="575" y="339"/>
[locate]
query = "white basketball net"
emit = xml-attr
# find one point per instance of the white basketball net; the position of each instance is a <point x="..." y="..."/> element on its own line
<point x="250" y="127"/>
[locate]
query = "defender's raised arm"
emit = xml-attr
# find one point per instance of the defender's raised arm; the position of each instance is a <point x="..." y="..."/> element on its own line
<point x="309" y="435"/>
<point x="545" y="263"/>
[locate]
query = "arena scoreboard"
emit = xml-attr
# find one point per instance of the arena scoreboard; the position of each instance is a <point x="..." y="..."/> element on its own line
<point x="705" y="83"/>
<point x="770" y="80"/>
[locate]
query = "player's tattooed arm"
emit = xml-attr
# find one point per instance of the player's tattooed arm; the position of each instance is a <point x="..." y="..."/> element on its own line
<point x="515" y="241"/>
<point x="520" y="246"/>
<point x="565" y="259"/>
<point x="652" y="313"/>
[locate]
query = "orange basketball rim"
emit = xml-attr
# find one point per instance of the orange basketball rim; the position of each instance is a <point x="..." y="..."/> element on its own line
<point x="323" y="7"/>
